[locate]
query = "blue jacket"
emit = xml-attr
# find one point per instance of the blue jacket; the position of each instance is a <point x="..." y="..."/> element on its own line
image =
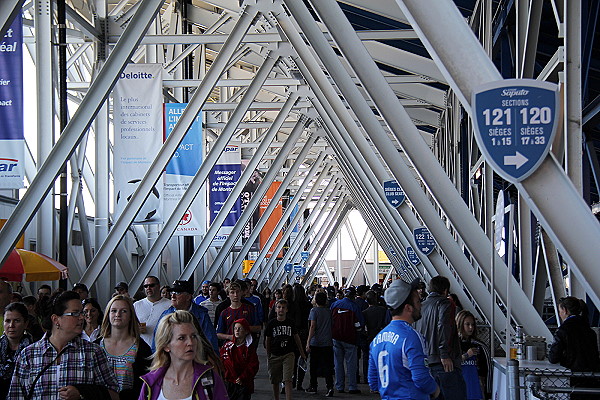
<point x="398" y="365"/>
<point x="201" y="314"/>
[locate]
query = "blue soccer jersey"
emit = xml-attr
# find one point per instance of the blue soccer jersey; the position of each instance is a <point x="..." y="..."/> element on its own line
<point x="398" y="365"/>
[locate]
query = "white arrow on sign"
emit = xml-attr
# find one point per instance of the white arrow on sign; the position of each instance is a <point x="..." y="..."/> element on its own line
<point x="425" y="249"/>
<point x="517" y="160"/>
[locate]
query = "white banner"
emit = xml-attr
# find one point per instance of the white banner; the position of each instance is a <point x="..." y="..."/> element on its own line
<point x="138" y="120"/>
<point x="181" y="170"/>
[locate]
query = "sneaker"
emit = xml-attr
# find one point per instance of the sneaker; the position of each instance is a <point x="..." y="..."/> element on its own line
<point x="329" y="393"/>
<point x="311" y="390"/>
<point x="354" y="391"/>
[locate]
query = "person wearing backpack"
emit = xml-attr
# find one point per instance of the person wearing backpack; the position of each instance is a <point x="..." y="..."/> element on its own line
<point x="347" y="322"/>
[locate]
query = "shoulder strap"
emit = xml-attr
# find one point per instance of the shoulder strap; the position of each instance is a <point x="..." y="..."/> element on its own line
<point x="29" y="395"/>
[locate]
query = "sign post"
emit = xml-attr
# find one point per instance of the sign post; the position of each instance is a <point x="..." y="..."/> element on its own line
<point x="515" y="123"/>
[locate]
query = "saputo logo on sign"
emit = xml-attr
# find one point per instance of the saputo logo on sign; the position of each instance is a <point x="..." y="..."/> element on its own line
<point x="8" y="164"/>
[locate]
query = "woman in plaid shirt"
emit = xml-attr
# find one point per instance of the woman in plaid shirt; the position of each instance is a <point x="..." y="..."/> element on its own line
<point x="62" y="365"/>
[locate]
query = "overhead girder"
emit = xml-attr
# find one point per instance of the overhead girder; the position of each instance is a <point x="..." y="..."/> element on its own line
<point x="170" y="226"/>
<point x="434" y="177"/>
<point x="548" y="188"/>
<point x="255" y="202"/>
<point x="318" y="213"/>
<point x="402" y="173"/>
<point x="172" y="142"/>
<point x="233" y="196"/>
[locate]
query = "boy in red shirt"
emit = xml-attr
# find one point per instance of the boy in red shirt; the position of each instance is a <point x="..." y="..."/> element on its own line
<point x="240" y="361"/>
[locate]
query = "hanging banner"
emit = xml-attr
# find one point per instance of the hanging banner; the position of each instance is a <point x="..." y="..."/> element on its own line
<point x="181" y="170"/>
<point x="273" y="220"/>
<point x="12" y="141"/>
<point x="249" y="190"/>
<point x="138" y="120"/>
<point x="295" y="228"/>
<point x="223" y="178"/>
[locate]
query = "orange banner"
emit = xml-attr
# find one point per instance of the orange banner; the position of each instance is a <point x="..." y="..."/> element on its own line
<point x="276" y="215"/>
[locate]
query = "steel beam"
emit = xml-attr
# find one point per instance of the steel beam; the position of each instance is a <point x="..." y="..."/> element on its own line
<point x="387" y="150"/>
<point x="255" y="202"/>
<point x="200" y="177"/>
<point x="74" y="131"/>
<point x="169" y="147"/>
<point x="456" y="50"/>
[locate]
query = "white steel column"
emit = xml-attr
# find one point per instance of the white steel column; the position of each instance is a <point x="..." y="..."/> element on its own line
<point x="45" y="119"/>
<point x="461" y="59"/>
<point x="255" y="202"/>
<point x="77" y="126"/>
<point x="170" y="145"/>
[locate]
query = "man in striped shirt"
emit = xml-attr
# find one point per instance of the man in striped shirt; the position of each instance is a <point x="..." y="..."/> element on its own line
<point x="235" y="311"/>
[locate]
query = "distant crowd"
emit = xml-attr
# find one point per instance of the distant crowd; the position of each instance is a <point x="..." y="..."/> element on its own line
<point x="404" y="342"/>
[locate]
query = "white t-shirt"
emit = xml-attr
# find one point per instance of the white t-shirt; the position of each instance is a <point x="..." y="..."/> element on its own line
<point x="211" y="306"/>
<point x="150" y="313"/>
<point x="161" y="396"/>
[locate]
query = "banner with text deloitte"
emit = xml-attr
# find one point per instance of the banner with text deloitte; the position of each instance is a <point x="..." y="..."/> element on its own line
<point x="12" y="142"/>
<point x="138" y="120"/>
<point x="223" y="178"/>
<point x="181" y="170"/>
<point x="273" y="220"/>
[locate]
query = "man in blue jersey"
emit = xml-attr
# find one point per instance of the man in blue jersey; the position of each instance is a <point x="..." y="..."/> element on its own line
<point x="397" y="361"/>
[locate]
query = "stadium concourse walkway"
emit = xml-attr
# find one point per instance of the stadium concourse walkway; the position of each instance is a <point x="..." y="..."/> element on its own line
<point x="263" y="391"/>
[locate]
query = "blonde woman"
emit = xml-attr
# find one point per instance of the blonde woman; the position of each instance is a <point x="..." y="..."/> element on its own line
<point x="178" y="370"/>
<point x="126" y="352"/>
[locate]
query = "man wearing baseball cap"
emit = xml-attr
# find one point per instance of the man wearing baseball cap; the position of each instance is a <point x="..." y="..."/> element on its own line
<point x="397" y="361"/>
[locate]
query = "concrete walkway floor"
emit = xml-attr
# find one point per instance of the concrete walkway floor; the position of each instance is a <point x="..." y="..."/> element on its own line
<point x="263" y="391"/>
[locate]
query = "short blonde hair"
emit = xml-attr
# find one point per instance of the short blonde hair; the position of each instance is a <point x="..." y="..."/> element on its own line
<point x="134" y="323"/>
<point x="164" y="334"/>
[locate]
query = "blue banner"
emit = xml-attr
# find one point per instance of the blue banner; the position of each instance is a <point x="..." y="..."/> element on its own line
<point x="180" y="171"/>
<point x="11" y="107"/>
<point x="223" y="178"/>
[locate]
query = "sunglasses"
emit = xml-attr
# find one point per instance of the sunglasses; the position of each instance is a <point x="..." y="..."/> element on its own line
<point x="149" y="285"/>
<point x="72" y="314"/>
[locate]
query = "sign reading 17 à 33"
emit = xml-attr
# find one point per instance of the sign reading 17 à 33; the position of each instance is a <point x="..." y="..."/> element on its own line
<point x="515" y="123"/>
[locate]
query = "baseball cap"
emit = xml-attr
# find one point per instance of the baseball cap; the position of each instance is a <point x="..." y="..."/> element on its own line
<point x="351" y="291"/>
<point x="398" y="292"/>
<point x="206" y="283"/>
<point x="80" y="286"/>
<point x="182" y="286"/>
<point x="122" y="285"/>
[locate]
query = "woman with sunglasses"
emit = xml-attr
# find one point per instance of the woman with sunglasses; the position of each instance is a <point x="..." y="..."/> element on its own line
<point x="14" y="340"/>
<point x="62" y="365"/>
<point x="126" y="352"/>
<point x="92" y="318"/>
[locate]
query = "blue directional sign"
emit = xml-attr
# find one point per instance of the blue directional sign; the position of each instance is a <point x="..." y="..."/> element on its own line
<point x="304" y="255"/>
<point x="424" y="240"/>
<point x="405" y="263"/>
<point x="515" y="123"/>
<point x="412" y="256"/>
<point x="393" y="193"/>
<point x="298" y="269"/>
<point x="287" y="267"/>
<point x="392" y="251"/>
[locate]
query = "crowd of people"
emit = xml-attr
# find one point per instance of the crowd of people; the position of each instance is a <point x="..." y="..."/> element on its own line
<point x="406" y="342"/>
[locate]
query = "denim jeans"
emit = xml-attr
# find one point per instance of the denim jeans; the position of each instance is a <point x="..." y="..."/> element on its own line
<point x="343" y="351"/>
<point x="452" y="384"/>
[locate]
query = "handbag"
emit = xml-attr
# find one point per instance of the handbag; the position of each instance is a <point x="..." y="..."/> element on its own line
<point x="235" y="391"/>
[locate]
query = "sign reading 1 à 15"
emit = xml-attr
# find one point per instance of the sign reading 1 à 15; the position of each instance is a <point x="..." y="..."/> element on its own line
<point x="515" y="123"/>
<point x="424" y="240"/>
